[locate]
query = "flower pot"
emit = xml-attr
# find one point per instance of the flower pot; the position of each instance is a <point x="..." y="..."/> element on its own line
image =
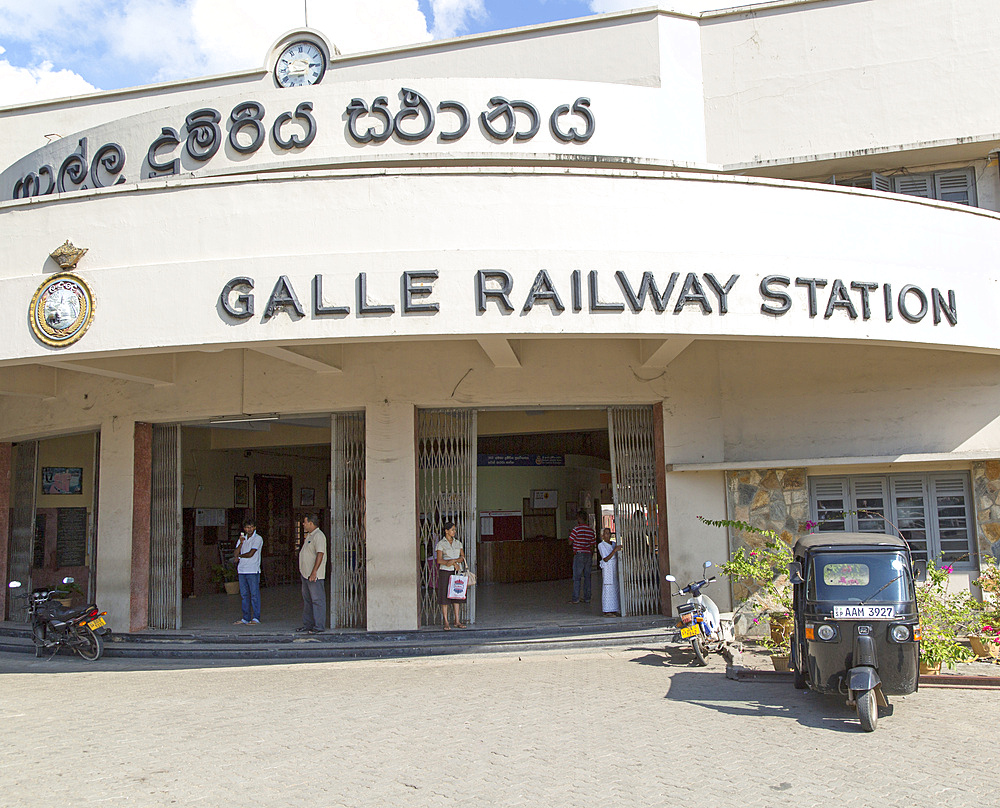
<point x="781" y="629"/>
<point x="232" y="587"/>
<point x="926" y="669"/>
<point x="984" y="649"/>
<point x="781" y="663"/>
<point x="65" y="602"/>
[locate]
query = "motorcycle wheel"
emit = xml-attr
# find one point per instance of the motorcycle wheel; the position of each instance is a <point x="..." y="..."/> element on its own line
<point x="700" y="651"/>
<point x="88" y="645"/>
<point x="38" y="638"/>
<point x="868" y="710"/>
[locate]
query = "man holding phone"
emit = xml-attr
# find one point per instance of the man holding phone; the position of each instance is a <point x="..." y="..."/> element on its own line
<point x="248" y="550"/>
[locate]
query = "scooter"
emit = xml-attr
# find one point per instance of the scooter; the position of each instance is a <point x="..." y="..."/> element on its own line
<point x="54" y="626"/>
<point x="700" y="621"/>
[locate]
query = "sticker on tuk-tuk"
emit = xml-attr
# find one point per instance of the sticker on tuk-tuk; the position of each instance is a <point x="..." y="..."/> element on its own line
<point x="846" y="574"/>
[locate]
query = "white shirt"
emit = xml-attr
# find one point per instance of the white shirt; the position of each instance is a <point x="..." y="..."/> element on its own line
<point x="250" y="565"/>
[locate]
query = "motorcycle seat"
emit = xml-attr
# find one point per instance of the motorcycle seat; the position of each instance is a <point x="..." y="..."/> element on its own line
<point x="60" y="612"/>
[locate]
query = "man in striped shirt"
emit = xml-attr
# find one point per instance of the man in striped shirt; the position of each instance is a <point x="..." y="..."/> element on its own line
<point x="582" y="538"/>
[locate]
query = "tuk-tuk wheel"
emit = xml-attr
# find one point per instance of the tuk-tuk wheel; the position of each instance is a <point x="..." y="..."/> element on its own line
<point x="798" y="675"/>
<point x="799" y="679"/>
<point x="867" y="710"/>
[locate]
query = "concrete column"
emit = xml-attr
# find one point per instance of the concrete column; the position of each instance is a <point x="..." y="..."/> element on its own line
<point x="690" y="494"/>
<point x="114" y="521"/>
<point x="6" y="456"/>
<point x="391" y="516"/>
<point x="142" y="492"/>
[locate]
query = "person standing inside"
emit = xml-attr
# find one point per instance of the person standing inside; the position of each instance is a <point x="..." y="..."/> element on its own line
<point x="608" y="552"/>
<point x="248" y="550"/>
<point x="583" y="539"/>
<point x="312" y="568"/>
<point x="450" y="559"/>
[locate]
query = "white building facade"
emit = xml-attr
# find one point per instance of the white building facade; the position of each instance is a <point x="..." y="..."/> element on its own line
<point x="750" y="256"/>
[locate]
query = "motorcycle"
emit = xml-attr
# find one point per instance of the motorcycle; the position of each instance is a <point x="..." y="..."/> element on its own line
<point x="700" y="621"/>
<point x="54" y="626"/>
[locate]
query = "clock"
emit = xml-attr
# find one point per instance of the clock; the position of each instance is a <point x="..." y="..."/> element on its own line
<point x="299" y="65"/>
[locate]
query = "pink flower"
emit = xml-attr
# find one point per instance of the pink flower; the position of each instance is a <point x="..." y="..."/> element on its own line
<point x="947" y="569"/>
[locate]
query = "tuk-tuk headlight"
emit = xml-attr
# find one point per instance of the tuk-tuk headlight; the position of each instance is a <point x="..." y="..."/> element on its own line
<point x="900" y="633"/>
<point x="825" y="632"/>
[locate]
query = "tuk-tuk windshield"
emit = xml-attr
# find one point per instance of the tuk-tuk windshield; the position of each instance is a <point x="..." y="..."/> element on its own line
<point x="854" y="577"/>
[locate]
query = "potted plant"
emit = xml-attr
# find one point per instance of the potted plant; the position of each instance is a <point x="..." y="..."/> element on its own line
<point x="944" y="617"/>
<point x="66" y="591"/>
<point x="224" y="577"/>
<point x="760" y="577"/>
<point x="985" y="641"/>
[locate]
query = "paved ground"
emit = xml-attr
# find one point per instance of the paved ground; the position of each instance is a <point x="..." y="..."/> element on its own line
<point x="621" y="727"/>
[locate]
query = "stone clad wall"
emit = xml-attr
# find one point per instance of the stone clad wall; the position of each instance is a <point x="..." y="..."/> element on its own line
<point x="986" y="490"/>
<point x="769" y="499"/>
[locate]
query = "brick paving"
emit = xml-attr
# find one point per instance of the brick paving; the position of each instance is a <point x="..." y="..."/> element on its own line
<point x="618" y="726"/>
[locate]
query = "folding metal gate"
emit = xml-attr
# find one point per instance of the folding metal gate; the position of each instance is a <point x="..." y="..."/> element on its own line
<point x="633" y="476"/>
<point x="446" y="484"/>
<point x="348" y="593"/>
<point x="22" y="524"/>
<point x="165" y="529"/>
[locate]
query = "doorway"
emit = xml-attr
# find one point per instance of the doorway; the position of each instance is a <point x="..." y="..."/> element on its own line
<point x="210" y="478"/>
<point x="53" y="523"/>
<point x="516" y="499"/>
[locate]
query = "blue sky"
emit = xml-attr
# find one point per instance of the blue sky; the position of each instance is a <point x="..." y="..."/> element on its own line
<point x="56" y="48"/>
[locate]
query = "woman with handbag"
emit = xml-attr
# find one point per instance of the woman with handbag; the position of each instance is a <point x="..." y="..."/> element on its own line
<point x="450" y="559"/>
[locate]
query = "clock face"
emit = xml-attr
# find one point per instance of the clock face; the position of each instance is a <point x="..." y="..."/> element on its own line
<point x="299" y="65"/>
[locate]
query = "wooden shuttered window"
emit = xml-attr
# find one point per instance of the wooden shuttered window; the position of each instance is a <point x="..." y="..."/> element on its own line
<point x="932" y="511"/>
<point x="948" y="186"/>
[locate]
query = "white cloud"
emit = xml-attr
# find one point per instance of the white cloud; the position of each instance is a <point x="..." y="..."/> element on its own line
<point x="22" y="84"/>
<point x="232" y="34"/>
<point x="451" y="16"/>
<point x="122" y="43"/>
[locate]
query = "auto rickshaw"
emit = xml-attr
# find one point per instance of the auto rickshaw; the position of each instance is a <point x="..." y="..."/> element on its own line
<point x="855" y="613"/>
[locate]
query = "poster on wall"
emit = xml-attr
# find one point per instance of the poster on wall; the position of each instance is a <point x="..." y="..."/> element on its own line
<point x="209" y="517"/>
<point x="544" y="498"/>
<point x="60" y="480"/>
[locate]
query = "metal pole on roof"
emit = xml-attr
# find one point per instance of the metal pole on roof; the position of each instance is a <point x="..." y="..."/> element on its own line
<point x="305" y="3"/>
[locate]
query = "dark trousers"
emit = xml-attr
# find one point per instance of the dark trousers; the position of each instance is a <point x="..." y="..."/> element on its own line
<point x="313" y="603"/>
<point x="581" y="574"/>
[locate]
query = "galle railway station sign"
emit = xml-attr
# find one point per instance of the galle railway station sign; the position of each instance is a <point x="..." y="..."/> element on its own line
<point x="469" y="121"/>
<point x="669" y="294"/>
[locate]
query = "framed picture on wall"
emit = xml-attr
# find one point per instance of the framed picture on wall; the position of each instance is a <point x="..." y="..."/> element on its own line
<point x="307" y="497"/>
<point x="60" y="480"/>
<point x="241" y="491"/>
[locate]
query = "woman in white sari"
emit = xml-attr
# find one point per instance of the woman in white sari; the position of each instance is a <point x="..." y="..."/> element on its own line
<point x="608" y="552"/>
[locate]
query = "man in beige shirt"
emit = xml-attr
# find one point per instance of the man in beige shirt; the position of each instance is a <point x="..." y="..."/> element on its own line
<point x="312" y="568"/>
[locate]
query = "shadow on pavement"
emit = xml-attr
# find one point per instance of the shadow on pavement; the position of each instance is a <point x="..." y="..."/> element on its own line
<point x="708" y="687"/>
<point x="669" y="658"/>
<point x="776" y="700"/>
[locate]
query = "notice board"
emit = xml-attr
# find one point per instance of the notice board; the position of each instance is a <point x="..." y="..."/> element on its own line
<point x="500" y="525"/>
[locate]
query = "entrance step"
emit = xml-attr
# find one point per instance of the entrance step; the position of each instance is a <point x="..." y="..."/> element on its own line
<point x="363" y="645"/>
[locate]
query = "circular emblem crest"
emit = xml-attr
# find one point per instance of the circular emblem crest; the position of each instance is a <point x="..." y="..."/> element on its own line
<point x="61" y="310"/>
